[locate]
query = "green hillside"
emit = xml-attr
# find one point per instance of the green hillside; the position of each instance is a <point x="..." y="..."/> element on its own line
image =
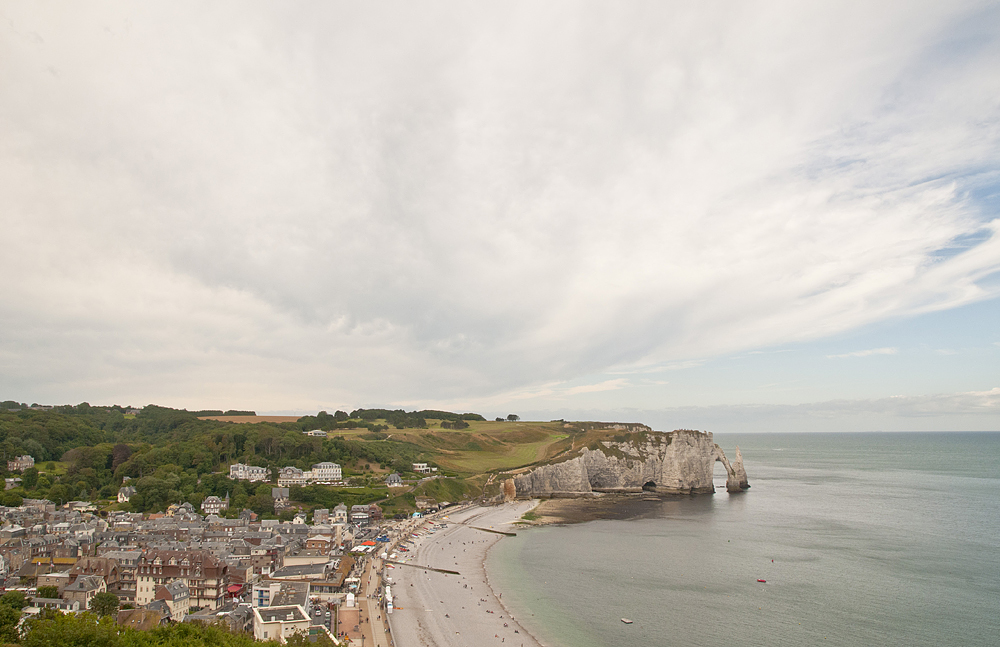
<point x="86" y="452"/>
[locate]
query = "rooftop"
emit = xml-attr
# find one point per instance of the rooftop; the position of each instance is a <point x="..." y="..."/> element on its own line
<point x="282" y="614"/>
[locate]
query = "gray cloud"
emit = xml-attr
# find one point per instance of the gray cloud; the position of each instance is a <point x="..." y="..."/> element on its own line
<point x="322" y="204"/>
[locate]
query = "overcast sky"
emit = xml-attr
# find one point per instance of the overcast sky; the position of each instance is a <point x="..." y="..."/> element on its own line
<point x="723" y="216"/>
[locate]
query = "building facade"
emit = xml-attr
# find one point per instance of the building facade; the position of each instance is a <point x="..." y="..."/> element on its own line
<point x="84" y="589"/>
<point x="279" y="623"/>
<point x="326" y="473"/>
<point x="360" y="515"/>
<point x="178" y="598"/>
<point x="205" y="576"/>
<point x="20" y="463"/>
<point x="214" y="505"/>
<point x="252" y="473"/>
<point x="289" y="476"/>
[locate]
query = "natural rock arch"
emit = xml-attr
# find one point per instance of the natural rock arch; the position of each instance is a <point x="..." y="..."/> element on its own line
<point x="736" y="480"/>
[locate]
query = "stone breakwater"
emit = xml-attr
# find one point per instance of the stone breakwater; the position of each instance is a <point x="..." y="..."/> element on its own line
<point x="676" y="462"/>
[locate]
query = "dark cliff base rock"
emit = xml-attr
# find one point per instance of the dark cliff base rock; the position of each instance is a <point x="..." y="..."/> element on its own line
<point x="619" y="507"/>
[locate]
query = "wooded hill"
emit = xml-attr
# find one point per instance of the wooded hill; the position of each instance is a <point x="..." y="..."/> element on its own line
<point x="84" y="452"/>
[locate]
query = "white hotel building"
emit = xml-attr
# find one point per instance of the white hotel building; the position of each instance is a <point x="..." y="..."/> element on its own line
<point x="241" y="472"/>
<point x="320" y="473"/>
<point x="326" y="473"/>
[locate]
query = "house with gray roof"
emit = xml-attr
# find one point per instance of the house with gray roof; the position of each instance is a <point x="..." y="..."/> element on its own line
<point x="177" y="597"/>
<point x="84" y="589"/>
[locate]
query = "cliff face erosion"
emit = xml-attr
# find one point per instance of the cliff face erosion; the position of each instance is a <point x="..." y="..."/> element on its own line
<point x="677" y="462"/>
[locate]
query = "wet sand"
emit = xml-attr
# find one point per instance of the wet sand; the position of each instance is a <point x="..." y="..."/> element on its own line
<point x="438" y="610"/>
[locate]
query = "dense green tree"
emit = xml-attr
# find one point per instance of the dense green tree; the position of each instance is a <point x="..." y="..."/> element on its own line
<point x="14" y="599"/>
<point x="262" y="504"/>
<point x="11" y="604"/>
<point x="119" y="455"/>
<point x="104" y="604"/>
<point x="30" y="478"/>
<point x="114" y="422"/>
<point x="88" y="630"/>
<point x="33" y="448"/>
<point x="58" y="493"/>
<point x="9" y="617"/>
<point x="304" y="640"/>
<point x="50" y="592"/>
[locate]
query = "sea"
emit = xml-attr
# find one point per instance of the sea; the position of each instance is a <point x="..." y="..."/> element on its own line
<point x="863" y="539"/>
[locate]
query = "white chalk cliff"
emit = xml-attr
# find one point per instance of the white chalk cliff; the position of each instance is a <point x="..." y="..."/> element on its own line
<point x="671" y="462"/>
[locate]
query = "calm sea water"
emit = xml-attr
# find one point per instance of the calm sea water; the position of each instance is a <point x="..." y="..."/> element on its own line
<point x="876" y="539"/>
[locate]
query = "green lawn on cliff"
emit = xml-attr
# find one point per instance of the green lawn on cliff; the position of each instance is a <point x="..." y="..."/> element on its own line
<point x="487" y="446"/>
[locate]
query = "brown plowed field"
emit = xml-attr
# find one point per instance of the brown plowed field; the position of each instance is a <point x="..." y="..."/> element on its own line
<point x="251" y="419"/>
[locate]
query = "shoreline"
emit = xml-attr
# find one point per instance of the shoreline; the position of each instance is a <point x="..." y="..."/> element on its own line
<point x="499" y="597"/>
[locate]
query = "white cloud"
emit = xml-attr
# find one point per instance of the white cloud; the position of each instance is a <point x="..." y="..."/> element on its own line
<point x="331" y="204"/>
<point x="866" y="353"/>
<point x="607" y="385"/>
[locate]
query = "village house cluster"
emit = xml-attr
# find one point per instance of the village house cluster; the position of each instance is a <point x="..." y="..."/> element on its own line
<point x="260" y="576"/>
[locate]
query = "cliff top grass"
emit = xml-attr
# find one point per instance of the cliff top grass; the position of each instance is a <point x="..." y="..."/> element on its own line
<point x="490" y="446"/>
<point x="486" y="446"/>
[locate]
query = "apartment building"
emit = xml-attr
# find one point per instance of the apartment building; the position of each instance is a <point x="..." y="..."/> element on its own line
<point x="205" y="576"/>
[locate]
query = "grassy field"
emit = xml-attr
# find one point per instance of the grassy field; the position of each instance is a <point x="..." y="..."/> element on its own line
<point x="486" y="446"/>
<point x="60" y="468"/>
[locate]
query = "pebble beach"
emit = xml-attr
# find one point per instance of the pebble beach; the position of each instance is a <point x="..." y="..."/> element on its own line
<point x="435" y="609"/>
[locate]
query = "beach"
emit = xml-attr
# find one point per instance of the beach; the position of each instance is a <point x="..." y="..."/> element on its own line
<point x="440" y="610"/>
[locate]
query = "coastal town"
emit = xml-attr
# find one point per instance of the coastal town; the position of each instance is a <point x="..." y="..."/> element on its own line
<point x="319" y="575"/>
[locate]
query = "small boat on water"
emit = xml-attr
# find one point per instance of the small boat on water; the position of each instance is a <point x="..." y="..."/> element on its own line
<point x="626" y="621"/>
<point x="762" y="581"/>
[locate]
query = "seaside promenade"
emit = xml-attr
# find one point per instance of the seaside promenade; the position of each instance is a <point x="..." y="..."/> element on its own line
<point x="372" y="611"/>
